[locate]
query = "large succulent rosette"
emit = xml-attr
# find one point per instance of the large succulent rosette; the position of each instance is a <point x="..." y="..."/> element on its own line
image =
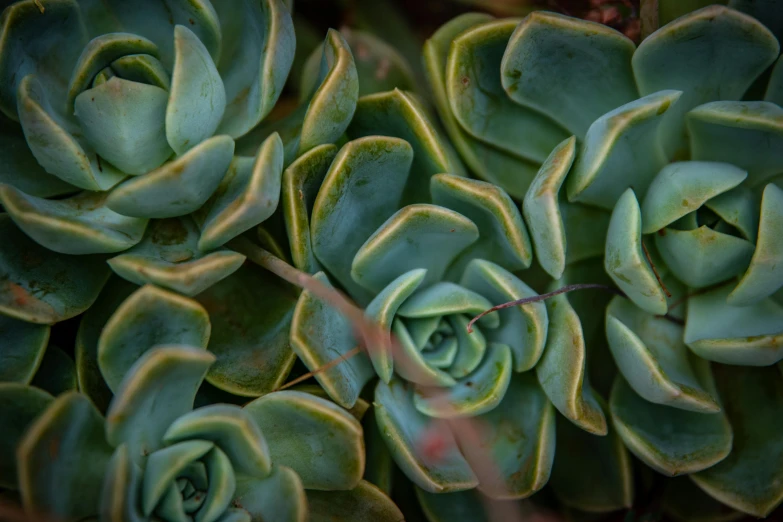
<point x="669" y="160"/>
<point x="288" y="456"/>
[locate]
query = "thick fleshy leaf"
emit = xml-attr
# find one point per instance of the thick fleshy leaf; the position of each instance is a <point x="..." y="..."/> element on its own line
<point x="124" y="121"/>
<point x="417" y="236"/>
<point x="178" y="187"/>
<point x="480" y="104"/>
<point x="361" y="190"/>
<point x="622" y="137"/>
<point x="446" y="298"/>
<point x="47" y="44"/>
<point x="670" y="440"/>
<point x="503" y="238"/>
<point x="121" y="489"/>
<point x="750" y="479"/>
<point x="745" y="134"/>
<point x="404" y="428"/>
<point x="625" y="261"/>
<point x="301" y="182"/>
<point x="77" y="225"/>
<point x="685" y="502"/>
<point x="519" y="438"/>
<point x="141" y="68"/>
<point x="320" y="334"/>
<point x="156" y="391"/>
<point x="20" y="169"/>
<point x="562" y="369"/>
<point x="673" y="58"/>
<point x="248" y="195"/>
<point x="257" y="50"/>
<point x="40" y="286"/>
<point x="767" y="12"/>
<point x="585" y="229"/>
<point x="765" y="273"/>
<point x="703" y="257"/>
<point x="364" y="503"/>
<point x="333" y="103"/>
<point x="550" y="57"/>
<point x="149" y="317"/>
<point x="478" y="393"/>
<point x="738" y="208"/>
<point x="232" y="430"/>
<point x="652" y="357"/>
<point x="23" y="346"/>
<point x="57" y="373"/>
<point x="542" y="210"/>
<point x="197" y="97"/>
<point x="222" y="485"/>
<point x="524" y="328"/>
<point x="683" y="187"/>
<point x="319" y="440"/>
<point x="20" y="405"/>
<point x="62" y="459"/>
<point x="379" y="467"/>
<point x="742" y="335"/>
<point x="399" y="114"/>
<point x="279" y="497"/>
<point x="52" y="140"/>
<point x="98" y="54"/>
<point x="774" y="92"/>
<point x="169" y="257"/>
<point x="250" y="313"/>
<point x="164" y="465"/>
<point x="414" y="367"/>
<point x="579" y="454"/>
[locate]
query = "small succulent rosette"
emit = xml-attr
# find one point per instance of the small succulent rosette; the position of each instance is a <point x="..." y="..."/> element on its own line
<point x="669" y="157"/>
<point x="288" y="456"/>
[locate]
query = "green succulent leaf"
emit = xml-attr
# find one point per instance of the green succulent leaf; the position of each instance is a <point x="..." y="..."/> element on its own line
<point x="551" y="56"/>
<point x="178" y="187"/>
<point x="250" y="331"/>
<point x="319" y="440"/>
<point x="62" y="459"/>
<point x="333" y="103"/>
<point x="198" y="97"/>
<point x="124" y="121"/>
<point x="157" y="390"/>
<point x="651" y="355"/>
<point x="586" y="228"/>
<point x="23" y="350"/>
<point x="402" y="427"/>
<point x="625" y="261"/>
<point x="414" y="367"/>
<point x="148" y="317"/>
<point x="20" y="405"/>
<point x="257" y="50"/>
<point x="320" y="334"/>
<point x="57" y="373"/>
<point x="39" y="286"/>
<point x="738" y="208"/>
<point x="141" y="68"/>
<point x="78" y="225"/>
<point x="670" y="440"/>
<point x="379" y="466"/>
<point x="401" y="115"/>
<point x="742" y="335"/>
<point x="279" y="497"/>
<point x="481" y="105"/>
<point x="749" y="479"/>
<point x="767" y="13"/>
<point x="542" y="210"/>
<point x="362" y="189"/>
<point x="52" y="140"/>
<point x="562" y="369"/>
<point x="625" y="136"/>
<point x="765" y="273"/>
<point x="121" y="489"/>
<point x="169" y="257"/>
<point x="301" y="182"/>
<point x="416" y="236"/>
<point x="248" y="195"/>
<point x="673" y="58"/>
<point x="577" y="457"/>
<point x="364" y="503"/>
<point x="503" y="237"/>
<point x="774" y="92"/>
<point x="686" y="502"/>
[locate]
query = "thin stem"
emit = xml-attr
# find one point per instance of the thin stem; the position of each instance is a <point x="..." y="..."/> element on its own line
<point x="356" y="350"/>
<point x="544" y="297"/>
<point x="655" y="271"/>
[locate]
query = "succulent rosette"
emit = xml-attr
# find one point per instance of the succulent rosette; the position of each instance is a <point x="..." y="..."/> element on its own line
<point x="669" y="159"/>
<point x="288" y="456"/>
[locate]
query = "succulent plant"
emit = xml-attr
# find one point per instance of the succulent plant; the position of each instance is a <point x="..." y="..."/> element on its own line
<point x="669" y="156"/>
<point x="155" y="457"/>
